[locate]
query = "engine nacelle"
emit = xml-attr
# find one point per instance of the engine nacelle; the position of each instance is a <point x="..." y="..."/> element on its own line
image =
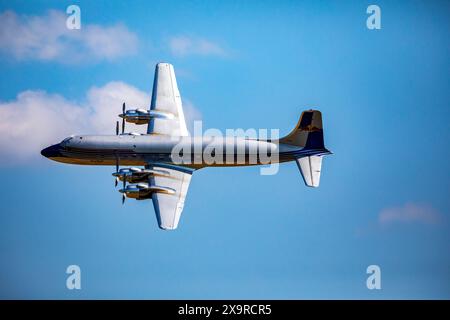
<point x="143" y="190"/>
<point x="136" y="175"/>
<point x="142" y="116"/>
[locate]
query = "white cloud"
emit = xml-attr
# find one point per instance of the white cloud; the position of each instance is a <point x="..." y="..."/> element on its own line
<point x="106" y="103"/>
<point x="185" y="45"/>
<point x="36" y="119"/>
<point x="191" y="114"/>
<point x="409" y="213"/>
<point x="47" y="38"/>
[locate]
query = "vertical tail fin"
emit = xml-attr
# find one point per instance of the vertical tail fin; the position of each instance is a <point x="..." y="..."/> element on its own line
<point x="308" y="134"/>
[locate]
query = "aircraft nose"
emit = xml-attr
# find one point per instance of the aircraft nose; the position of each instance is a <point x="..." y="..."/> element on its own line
<point x="52" y="151"/>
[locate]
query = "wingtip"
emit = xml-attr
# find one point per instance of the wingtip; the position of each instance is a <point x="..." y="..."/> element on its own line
<point x="167" y="228"/>
<point x="163" y="64"/>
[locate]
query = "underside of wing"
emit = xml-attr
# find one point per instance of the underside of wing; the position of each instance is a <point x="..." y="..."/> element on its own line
<point x="169" y="204"/>
<point x="166" y="104"/>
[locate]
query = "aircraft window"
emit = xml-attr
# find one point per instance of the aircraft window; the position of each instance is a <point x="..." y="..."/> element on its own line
<point x="66" y="140"/>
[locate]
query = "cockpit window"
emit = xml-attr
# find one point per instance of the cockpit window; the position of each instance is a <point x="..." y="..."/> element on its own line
<point x="67" y="139"/>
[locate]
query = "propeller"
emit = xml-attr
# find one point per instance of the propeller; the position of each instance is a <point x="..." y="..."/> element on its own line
<point x="123" y="119"/>
<point x="117" y="128"/>
<point x="124" y="186"/>
<point x="123" y="194"/>
<point x="117" y="167"/>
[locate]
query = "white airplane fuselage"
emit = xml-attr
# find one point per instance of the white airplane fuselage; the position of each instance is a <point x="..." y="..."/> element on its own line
<point x="191" y="152"/>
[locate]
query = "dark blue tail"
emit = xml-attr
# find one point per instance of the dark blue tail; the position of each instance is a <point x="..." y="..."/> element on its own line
<point x="308" y="132"/>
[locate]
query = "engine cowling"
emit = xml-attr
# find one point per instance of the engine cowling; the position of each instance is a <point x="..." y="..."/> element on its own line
<point x="144" y="190"/>
<point x="142" y="116"/>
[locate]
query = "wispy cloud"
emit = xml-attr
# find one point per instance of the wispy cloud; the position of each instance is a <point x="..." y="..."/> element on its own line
<point x="409" y="213"/>
<point x="188" y="45"/>
<point x="47" y="38"/>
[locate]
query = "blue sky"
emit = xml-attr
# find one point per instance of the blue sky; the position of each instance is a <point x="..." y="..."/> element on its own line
<point x="384" y="194"/>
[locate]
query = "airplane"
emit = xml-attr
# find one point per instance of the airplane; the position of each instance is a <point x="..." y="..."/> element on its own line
<point x="165" y="179"/>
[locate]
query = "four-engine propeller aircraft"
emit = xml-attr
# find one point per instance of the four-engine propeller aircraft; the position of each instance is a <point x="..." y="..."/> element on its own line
<point x="164" y="179"/>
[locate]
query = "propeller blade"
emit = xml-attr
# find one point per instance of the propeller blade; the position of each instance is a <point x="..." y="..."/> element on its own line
<point x="123" y="108"/>
<point x="124" y="182"/>
<point x="123" y="198"/>
<point x="117" y="128"/>
<point x="123" y="125"/>
<point x="116" y="181"/>
<point x="117" y="164"/>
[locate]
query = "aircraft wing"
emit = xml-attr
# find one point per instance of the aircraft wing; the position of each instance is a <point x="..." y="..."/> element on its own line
<point x="169" y="205"/>
<point x="168" y="119"/>
<point x="166" y="104"/>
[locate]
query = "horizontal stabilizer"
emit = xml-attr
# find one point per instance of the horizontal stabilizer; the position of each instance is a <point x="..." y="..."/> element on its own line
<point x="310" y="168"/>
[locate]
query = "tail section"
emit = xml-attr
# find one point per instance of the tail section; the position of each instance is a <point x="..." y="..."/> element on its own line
<point x="308" y="135"/>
